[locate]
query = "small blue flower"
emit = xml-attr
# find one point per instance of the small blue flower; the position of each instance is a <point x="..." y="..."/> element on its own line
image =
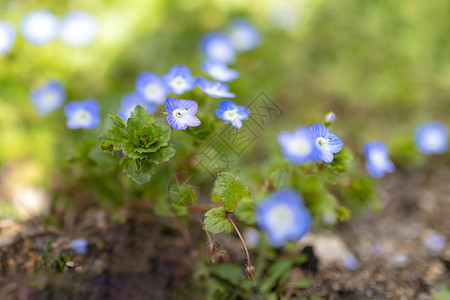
<point x="7" y="36"/>
<point x="432" y="138"/>
<point x="78" y="29"/>
<point x="39" y="27"/>
<point x="48" y="97"/>
<point x="325" y="143"/>
<point x="152" y="88"/>
<point x="79" y="245"/>
<point x="219" y="71"/>
<point x="218" y="47"/>
<point x="215" y="89"/>
<point x="329" y="118"/>
<point x="129" y="103"/>
<point x="181" y="113"/>
<point x="180" y="79"/>
<point x="435" y="241"/>
<point x="283" y="217"/>
<point x="243" y="35"/>
<point x="82" y="114"/>
<point x="233" y="113"/>
<point x="297" y="146"/>
<point x="350" y="262"/>
<point x="378" y="162"/>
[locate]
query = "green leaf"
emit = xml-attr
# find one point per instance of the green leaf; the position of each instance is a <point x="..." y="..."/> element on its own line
<point x="183" y="194"/>
<point x="112" y="139"/>
<point x="117" y="121"/>
<point x="343" y="213"/>
<point x="162" y="155"/>
<point x="141" y="114"/>
<point x="207" y="128"/>
<point x="217" y="222"/>
<point x="276" y="271"/>
<point x="245" y="211"/>
<point x="441" y="292"/>
<point x="230" y="190"/>
<point x="279" y="179"/>
<point x="140" y="171"/>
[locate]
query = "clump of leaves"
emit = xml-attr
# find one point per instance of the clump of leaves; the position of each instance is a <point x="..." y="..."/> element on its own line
<point x="54" y="261"/>
<point x="143" y="142"/>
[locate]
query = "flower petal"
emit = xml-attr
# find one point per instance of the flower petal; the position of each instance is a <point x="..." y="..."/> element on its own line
<point x="189" y="105"/>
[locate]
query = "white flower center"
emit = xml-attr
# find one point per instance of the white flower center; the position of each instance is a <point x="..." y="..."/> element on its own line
<point x="377" y="158"/>
<point x="178" y="113"/>
<point x="322" y="142"/>
<point x="281" y="218"/>
<point x="231" y="114"/>
<point x="433" y="139"/>
<point x="300" y="146"/>
<point x="151" y="90"/>
<point x="179" y="81"/>
<point x="50" y="100"/>
<point x="82" y="117"/>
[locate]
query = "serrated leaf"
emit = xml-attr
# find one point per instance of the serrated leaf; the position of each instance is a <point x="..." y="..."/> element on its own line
<point x="162" y="155"/>
<point x="245" y="211"/>
<point x="112" y="139"/>
<point x="142" y="115"/>
<point x="217" y="222"/>
<point x="140" y="171"/>
<point x="117" y="121"/>
<point x="230" y="190"/>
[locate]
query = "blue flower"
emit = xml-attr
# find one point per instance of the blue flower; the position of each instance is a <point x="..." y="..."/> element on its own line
<point x="325" y="143"/>
<point x="181" y="113"/>
<point x="350" y="262"/>
<point x="329" y="118"/>
<point x="7" y="37"/>
<point x="219" y="71"/>
<point x="215" y="89"/>
<point x="151" y="88"/>
<point x="129" y="103"/>
<point x="283" y="217"/>
<point x="218" y="47"/>
<point x="40" y="27"/>
<point x="243" y="35"/>
<point x="82" y="114"/>
<point x="48" y="97"/>
<point x="233" y="113"/>
<point x="378" y="162"/>
<point x="79" y="245"/>
<point x="78" y="29"/>
<point x="432" y="138"/>
<point x="434" y="241"/>
<point x="180" y="79"/>
<point x="297" y="146"/>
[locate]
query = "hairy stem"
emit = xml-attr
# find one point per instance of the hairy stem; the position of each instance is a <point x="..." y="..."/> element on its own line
<point x="249" y="261"/>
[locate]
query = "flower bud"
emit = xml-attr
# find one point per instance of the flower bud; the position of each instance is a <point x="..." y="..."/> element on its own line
<point x="250" y="271"/>
<point x="329" y="118"/>
<point x="212" y="249"/>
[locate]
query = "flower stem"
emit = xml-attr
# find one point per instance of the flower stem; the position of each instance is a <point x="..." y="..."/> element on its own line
<point x="242" y="239"/>
<point x="208" y="103"/>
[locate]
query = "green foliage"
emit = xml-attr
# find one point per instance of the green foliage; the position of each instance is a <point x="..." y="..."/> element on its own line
<point x="216" y="221"/>
<point x="144" y="143"/>
<point x="441" y="292"/>
<point x="230" y="190"/>
<point x="279" y="179"/>
<point x="207" y="128"/>
<point x="245" y="211"/>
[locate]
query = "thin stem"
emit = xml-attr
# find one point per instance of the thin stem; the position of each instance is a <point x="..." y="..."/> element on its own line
<point x="242" y="239"/>
<point x="208" y="103"/>
<point x="203" y="227"/>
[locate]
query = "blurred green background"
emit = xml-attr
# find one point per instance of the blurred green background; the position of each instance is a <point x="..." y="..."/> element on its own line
<point x="382" y="66"/>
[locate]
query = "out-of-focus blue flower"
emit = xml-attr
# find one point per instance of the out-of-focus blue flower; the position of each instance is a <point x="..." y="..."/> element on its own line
<point x="325" y="143"/>
<point x="350" y="262"/>
<point x="218" y="47"/>
<point x="7" y="36"/>
<point x="181" y="113"/>
<point x="78" y="29"/>
<point x="233" y="113"/>
<point x="378" y="162"/>
<point x="215" y="89"/>
<point x="40" y="27"/>
<point x="329" y="118"/>
<point x="79" y="245"/>
<point x="434" y="241"/>
<point x="82" y="114"/>
<point x="243" y="35"/>
<point x="48" y="97"/>
<point x="283" y="217"/>
<point x="297" y="146"/>
<point x="152" y="88"/>
<point x="129" y="103"/>
<point x="432" y="138"/>
<point x="219" y="71"/>
<point x="180" y="79"/>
